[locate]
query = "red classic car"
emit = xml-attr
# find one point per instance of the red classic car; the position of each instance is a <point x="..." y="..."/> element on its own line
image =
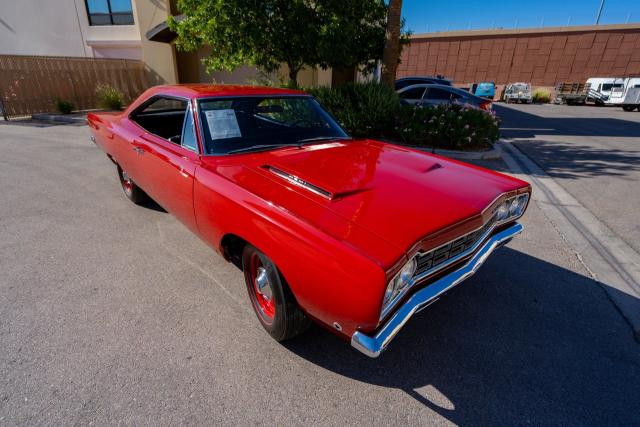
<point x="354" y="234"/>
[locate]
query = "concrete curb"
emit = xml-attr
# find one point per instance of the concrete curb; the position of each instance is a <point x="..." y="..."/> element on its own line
<point x="59" y="118"/>
<point x="492" y="154"/>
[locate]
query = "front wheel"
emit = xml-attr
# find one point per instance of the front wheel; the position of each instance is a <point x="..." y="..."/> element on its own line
<point x="271" y="299"/>
<point x="130" y="189"/>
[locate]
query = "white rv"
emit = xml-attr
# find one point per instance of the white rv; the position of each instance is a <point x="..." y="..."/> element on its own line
<point x="618" y="95"/>
<point x="602" y="88"/>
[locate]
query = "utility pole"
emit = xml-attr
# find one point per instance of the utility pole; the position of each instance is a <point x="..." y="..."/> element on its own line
<point x="599" y="12"/>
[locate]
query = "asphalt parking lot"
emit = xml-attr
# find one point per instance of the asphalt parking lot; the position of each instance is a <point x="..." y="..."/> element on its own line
<point x="593" y="152"/>
<point x="111" y="313"/>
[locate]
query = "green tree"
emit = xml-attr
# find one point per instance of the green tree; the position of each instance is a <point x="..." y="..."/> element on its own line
<point x="268" y="33"/>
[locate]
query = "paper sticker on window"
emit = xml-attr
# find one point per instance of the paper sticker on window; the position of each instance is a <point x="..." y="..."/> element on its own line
<point x="222" y="124"/>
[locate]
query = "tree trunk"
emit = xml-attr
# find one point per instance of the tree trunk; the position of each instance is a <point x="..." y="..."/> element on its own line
<point x="293" y="75"/>
<point x="391" y="43"/>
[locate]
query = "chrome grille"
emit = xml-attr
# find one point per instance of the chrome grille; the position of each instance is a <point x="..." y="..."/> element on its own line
<point x="430" y="261"/>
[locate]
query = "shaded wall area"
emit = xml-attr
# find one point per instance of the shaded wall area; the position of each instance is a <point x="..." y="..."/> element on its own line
<point x="543" y="57"/>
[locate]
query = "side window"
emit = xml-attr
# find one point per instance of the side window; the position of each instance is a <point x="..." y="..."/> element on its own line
<point x="163" y="116"/>
<point x="439" y="94"/>
<point x="189" y="139"/>
<point x="414" y="93"/>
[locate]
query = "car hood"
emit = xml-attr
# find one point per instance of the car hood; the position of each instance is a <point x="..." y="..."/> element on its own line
<point x="397" y="195"/>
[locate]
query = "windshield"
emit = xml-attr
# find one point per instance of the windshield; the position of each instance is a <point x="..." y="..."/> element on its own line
<point x="245" y="124"/>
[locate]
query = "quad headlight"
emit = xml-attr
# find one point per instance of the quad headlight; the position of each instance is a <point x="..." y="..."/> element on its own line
<point x="509" y="210"/>
<point x="400" y="282"/>
<point x="512" y="208"/>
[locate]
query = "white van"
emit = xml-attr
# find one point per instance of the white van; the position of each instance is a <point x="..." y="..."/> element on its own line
<point x="604" y="87"/>
<point x="618" y="95"/>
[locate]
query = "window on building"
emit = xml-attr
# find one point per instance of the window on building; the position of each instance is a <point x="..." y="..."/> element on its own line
<point x="109" y="12"/>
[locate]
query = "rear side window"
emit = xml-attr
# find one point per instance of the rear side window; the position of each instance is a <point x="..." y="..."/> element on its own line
<point x="169" y="118"/>
<point x="413" y="93"/>
<point x="441" y="94"/>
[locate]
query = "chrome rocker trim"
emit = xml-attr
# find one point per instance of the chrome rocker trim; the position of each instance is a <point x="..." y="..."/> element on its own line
<point x="372" y="346"/>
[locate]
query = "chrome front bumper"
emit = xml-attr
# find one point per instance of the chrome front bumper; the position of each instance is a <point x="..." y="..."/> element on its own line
<point x="372" y="346"/>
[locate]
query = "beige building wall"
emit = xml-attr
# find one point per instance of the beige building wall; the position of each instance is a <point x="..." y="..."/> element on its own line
<point x="61" y="28"/>
<point x="191" y="70"/>
<point x="31" y="27"/>
<point x="159" y="58"/>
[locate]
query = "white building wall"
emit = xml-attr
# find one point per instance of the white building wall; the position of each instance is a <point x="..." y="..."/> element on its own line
<point x="61" y="28"/>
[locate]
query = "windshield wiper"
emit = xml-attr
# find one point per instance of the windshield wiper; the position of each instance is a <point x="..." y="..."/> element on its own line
<point x="256" y="147"/>
<point x="300" y="142"/>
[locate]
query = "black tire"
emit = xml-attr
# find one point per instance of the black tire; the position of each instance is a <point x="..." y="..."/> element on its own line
<point x="628" y="107"/>
<point x="279" y="314"/>
<point x="130" y="189"/>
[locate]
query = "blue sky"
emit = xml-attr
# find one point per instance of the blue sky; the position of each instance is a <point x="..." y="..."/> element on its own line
<point x="428" y="16"/>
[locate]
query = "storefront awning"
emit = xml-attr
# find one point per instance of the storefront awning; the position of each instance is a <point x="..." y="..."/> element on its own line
<point x="162" y="33"/>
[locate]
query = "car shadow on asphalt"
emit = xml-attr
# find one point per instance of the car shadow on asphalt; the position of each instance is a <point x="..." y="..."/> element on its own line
<point x="538" y="137"/>
<point x="573" y="161"/>
<point x="518" y="124"/>
<point x="153" y="205"/>
<point x="523" y="341"/>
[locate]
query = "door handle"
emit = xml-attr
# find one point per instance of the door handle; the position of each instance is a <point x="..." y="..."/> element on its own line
<point x="138" y="150"/>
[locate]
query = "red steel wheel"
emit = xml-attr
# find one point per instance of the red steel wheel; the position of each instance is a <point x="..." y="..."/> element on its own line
<point x="262" y="290"/>
<point x="271" y="299"/>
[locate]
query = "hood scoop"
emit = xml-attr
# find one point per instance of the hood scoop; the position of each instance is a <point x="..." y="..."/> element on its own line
<point x="299" y="182"/>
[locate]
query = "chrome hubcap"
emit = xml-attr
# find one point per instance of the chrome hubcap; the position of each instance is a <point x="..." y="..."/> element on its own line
<point x="126" y="182"/>
<point x="262" y="283"/>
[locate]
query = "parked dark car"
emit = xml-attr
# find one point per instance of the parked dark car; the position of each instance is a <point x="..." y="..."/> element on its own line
<point x="434" y="94"/>
<point x="410" y="81"/>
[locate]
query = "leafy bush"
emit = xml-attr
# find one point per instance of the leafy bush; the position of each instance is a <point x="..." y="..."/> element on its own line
<point x="364" y="109"/>
<point x="64" y="107"/>
<point x="374" y="110"/>
<point x="541" y="96"/>
<point x="448" y="126"/>
<point x="109" y="97"/>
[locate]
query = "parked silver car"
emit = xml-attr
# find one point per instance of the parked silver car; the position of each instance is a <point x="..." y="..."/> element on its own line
<point x="434" y="94"/>
<point x="518" y="92"/>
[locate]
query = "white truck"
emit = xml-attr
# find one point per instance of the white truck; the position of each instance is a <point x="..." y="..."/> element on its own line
<point x="631" y="100"/>
<point x="603" y="88"/>
<point x="518" y="92"/>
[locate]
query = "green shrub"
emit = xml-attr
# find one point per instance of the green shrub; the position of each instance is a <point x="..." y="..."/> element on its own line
<point x="453" y="127"/>
<point x="64" y="107"/>
<point x="541" y="96"/>
<point x="373" y="110"/>
<point x="363" y="109"/>
<point x="109" y="97"/>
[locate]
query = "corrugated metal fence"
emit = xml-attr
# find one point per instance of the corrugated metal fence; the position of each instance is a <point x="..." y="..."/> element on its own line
<point x="31" y="84"/>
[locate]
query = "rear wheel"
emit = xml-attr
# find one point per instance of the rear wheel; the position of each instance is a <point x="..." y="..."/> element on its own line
<point x="271" y="299"/>
<point x="628" y="107"/>
<point x="130" y="189"/>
